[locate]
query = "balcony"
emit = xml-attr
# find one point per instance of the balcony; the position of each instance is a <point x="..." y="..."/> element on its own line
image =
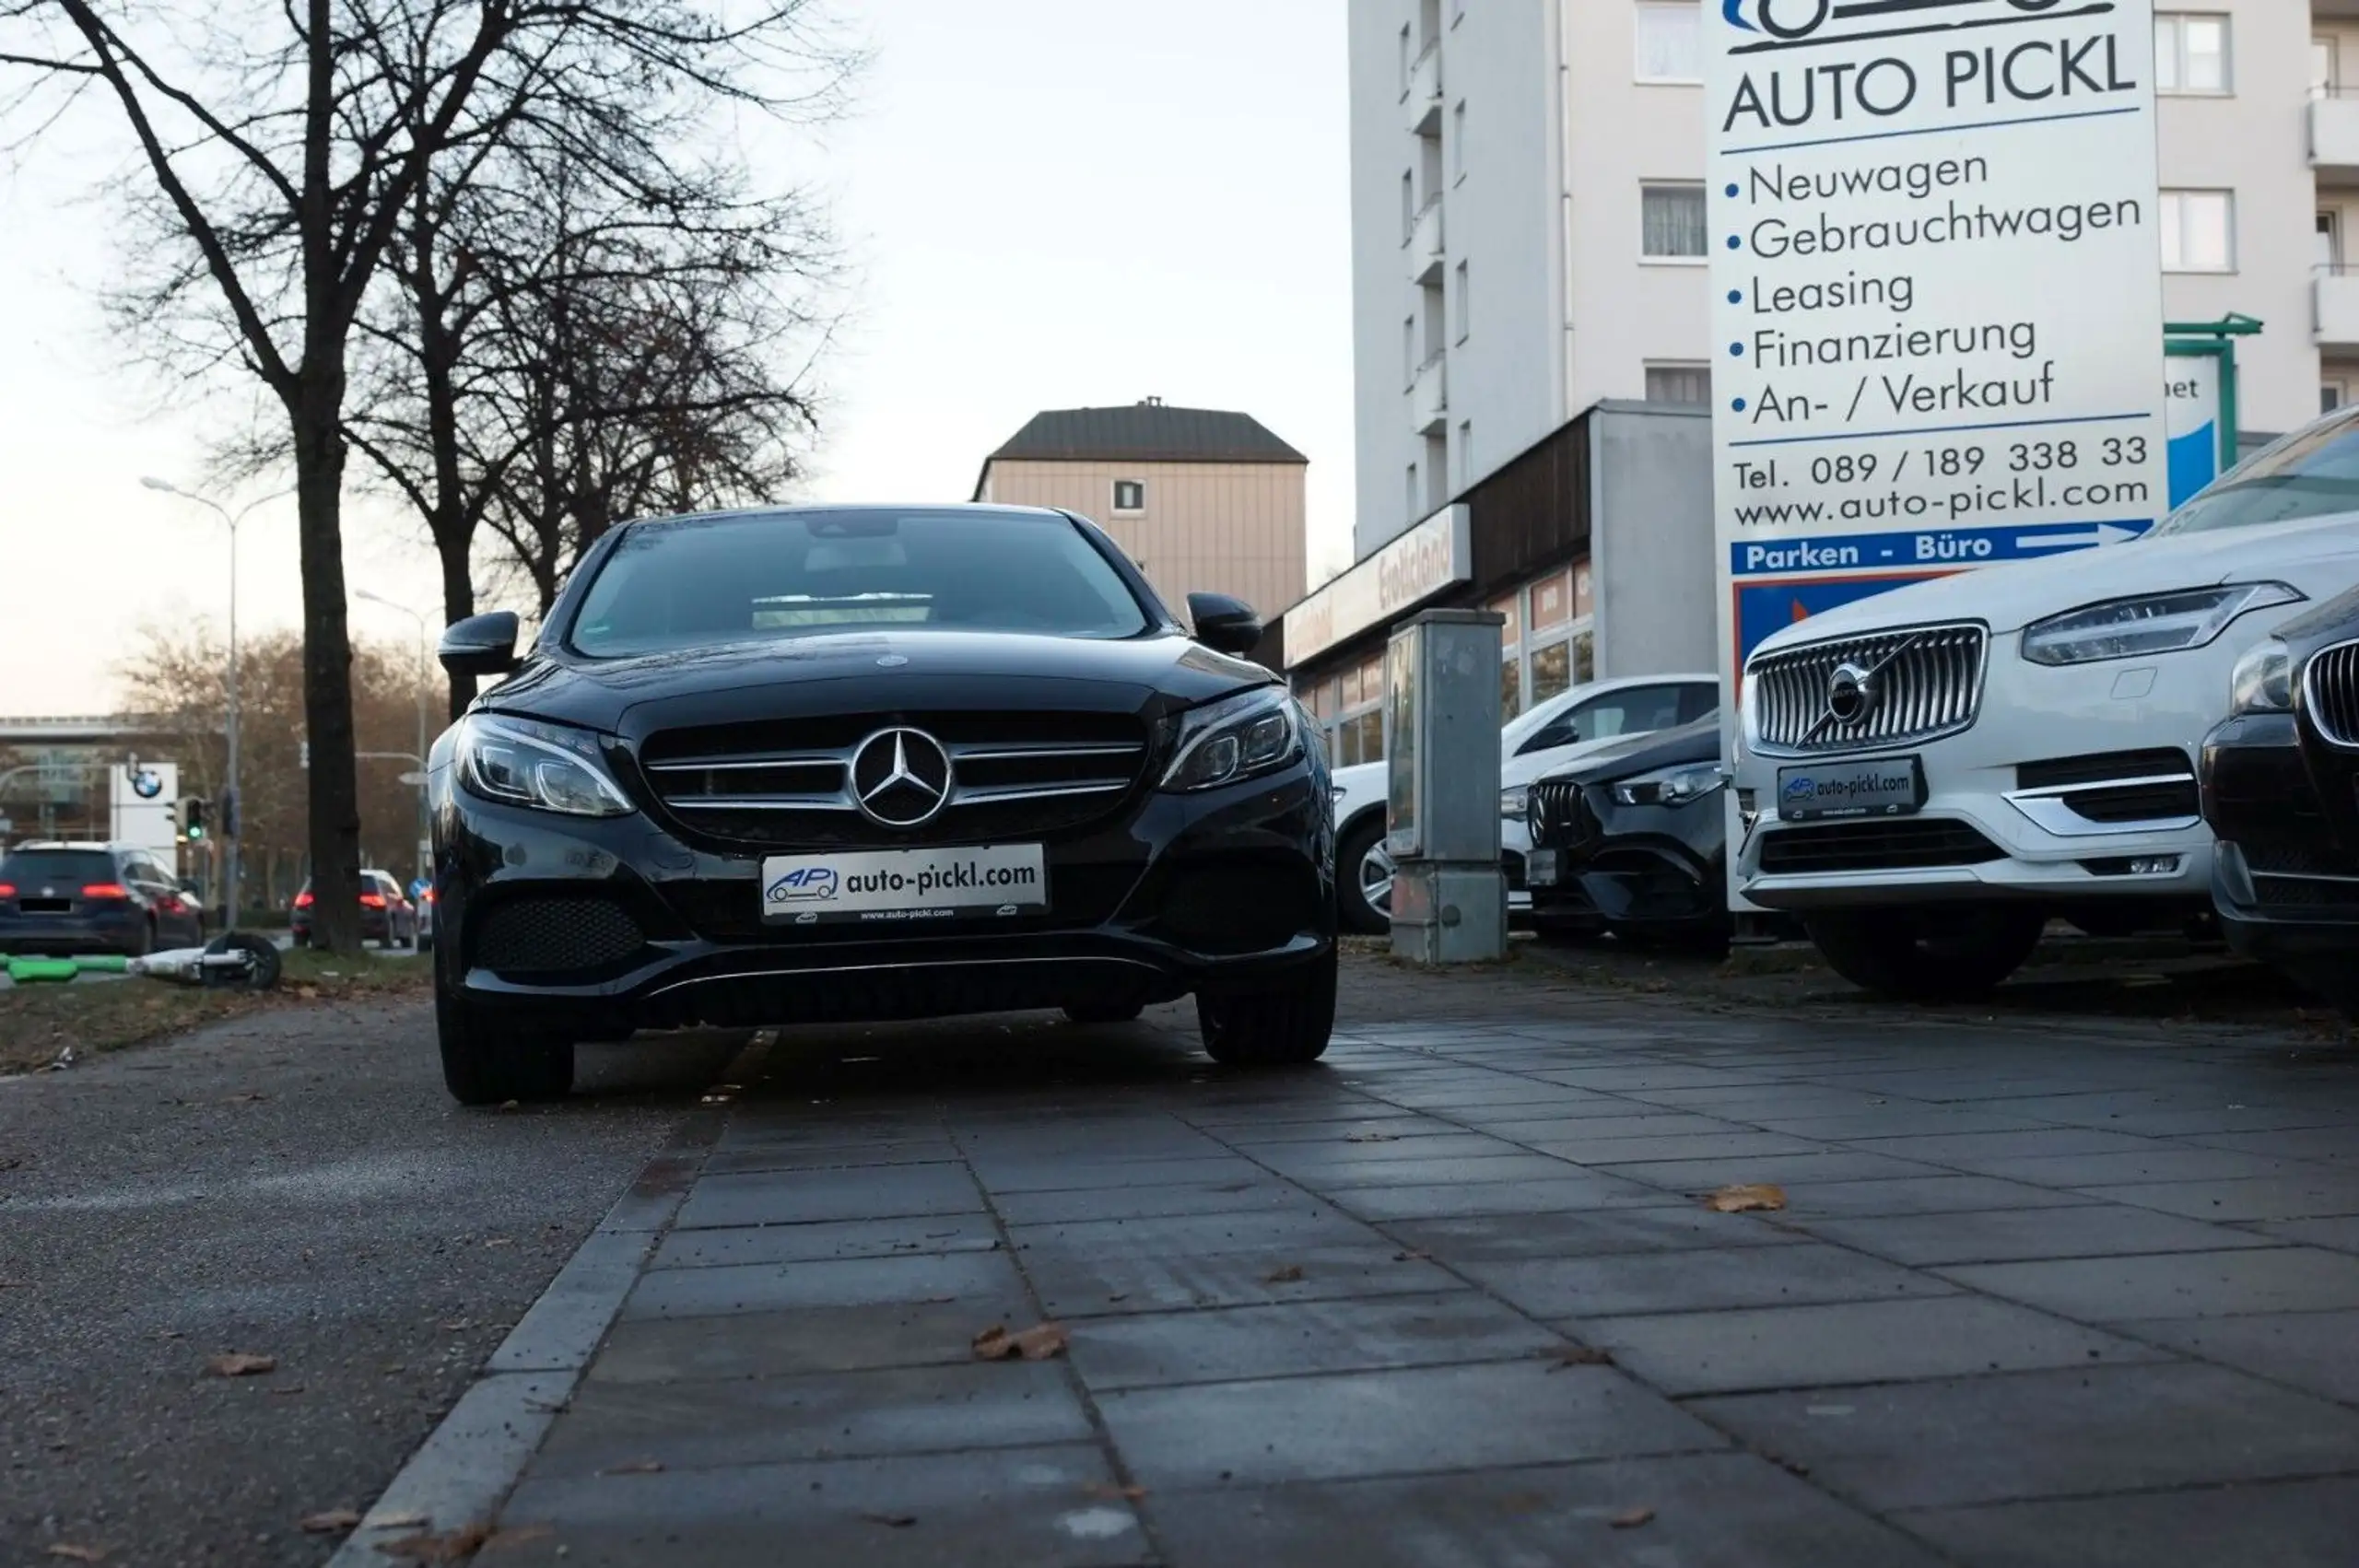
<point x="2334" y="310"/>
<point x="1430" y="398"/>
<point x="1423" y="100"/>
<point x="2334" y="133"/>
<point x="1425" y="245"/>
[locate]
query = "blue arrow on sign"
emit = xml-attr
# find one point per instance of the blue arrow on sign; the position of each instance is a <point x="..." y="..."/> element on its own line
<point x="1925" y="549"/>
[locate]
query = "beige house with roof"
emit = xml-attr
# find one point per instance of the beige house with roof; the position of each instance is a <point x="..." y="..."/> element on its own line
<point x="1203" y="500"/>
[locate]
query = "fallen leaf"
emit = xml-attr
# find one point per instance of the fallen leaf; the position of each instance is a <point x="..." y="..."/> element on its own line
<point x="508" y="1105"/>
<point x="1037" y="1343"/>
<point x="893" y="1521"/>
<point x="1746" y="1196"/>
<point x="1115" y="1493"/>
<point x="1580" y="1355"/>
<point x="236" y="1364"/>
<point x="1632" y="1519"/>
<point x="67" y="1550"/>
<point x="453" y="1546"/>
<point x="308" y="993"/>
<point x="329" y="1521"/>
<point x="405" y="1520"/>
<point x="634" y="1467"/>
<point x="1290" y="1275"/>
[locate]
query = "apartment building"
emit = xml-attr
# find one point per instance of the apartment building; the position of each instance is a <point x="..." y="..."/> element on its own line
<point x="1203" y="500"/>
<point x="1528" y="242"/>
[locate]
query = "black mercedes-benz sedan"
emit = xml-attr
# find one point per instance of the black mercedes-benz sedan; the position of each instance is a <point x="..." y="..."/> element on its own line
<point x="831" y="764"/>
<point x="2281" y="789"/>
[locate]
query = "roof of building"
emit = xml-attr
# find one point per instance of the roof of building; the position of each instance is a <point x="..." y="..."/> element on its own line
<point x="1152" y="431"/>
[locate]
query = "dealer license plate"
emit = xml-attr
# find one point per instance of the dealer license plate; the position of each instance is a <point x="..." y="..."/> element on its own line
<point x="905" y="884"/>
<point x="1891" y="785"/>
<point x="1539" y="869"/>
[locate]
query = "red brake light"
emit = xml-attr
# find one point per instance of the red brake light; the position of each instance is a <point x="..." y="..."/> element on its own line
<point x="106" y="890"/>
<point x="7" y="890"/>
<point x="303" y="899"/>
<point x="429" y="894"/>
<point x="372" y="901"/>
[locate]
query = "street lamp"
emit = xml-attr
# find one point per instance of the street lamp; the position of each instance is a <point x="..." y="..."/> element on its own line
<point x="234" y="814"/>
<point x="420" y="616"/>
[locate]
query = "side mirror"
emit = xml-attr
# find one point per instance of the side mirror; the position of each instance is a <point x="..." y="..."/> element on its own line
<point x="480" y="645"/>
<point x="1223" y="624"/>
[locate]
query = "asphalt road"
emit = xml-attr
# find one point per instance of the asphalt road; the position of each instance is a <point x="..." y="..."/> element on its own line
<point x="293" y="1185"/>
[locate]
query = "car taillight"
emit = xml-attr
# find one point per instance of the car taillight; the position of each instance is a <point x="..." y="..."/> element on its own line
<point x="428" y="896"/>
<point x="303" y="899"/>
<point x="7" y="890"/>
<point x="106" y="890"/>
<point x="372" y="901"/>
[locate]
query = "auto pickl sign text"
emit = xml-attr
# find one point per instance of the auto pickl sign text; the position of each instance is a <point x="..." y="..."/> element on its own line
<point x="1936" y="291"/>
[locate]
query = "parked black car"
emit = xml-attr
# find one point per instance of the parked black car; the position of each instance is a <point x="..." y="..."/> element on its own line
<point x="387" y="916"/>
<point x="71" y="899"/>
<point x="818" y="764"/>
<point x="2281" y="791"/>
<point x="1633" y="838"/>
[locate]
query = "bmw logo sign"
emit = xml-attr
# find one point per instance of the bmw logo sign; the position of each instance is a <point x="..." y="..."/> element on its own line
<point x="147" y="783"/>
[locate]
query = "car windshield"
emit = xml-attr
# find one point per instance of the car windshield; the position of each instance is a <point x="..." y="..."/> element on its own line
<point x="690" y="581"/>
<point x="2312" y="473"/>
<point x="59" y="867"/>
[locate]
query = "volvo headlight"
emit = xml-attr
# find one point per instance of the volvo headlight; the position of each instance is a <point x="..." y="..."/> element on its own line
<point x="1515" y="802"/>
<point x="2151" y="623"/>
<point x="2263" y="681"/>
<point x="1236" y="739"/>
<point x="551" y="767"/>
<point x="1671" y="785"/>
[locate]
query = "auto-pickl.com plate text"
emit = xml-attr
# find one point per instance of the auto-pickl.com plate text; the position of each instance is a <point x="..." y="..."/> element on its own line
<point x="904" y="884"/>
<point x="1892" y="786"/>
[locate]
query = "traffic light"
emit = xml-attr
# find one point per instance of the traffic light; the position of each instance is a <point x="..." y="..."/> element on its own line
<point x="193" y="819"/>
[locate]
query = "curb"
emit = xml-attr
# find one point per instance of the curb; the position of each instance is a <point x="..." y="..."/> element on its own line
<point x="473" y="1458"/>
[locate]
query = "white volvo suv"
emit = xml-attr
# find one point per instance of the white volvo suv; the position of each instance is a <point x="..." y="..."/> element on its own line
<point x="1927" y="776"/>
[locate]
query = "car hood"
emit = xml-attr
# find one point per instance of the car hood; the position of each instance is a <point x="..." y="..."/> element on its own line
<point x="870" y="671"/>
<point x="1634" y="755"/>
<point x="2315" y="555"/>
<point x="1518" y="770"/>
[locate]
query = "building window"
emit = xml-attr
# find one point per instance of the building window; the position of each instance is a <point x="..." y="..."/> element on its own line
<point x="1458" y="142"/>
<point x="1465" y="319"/>
<point x="1408" y="59"/>
<point x="1670" y="40"/>
<point x="1355" y="702"/>
<point x="1416" y="497"/>
<point x="1671" y="222"/>
<point x="1130" y="495"/>
<point x="2332" y="395"/>
<point x="1408" y="205"/>
<point x="1465" y="453"/>
<point x="2199" y="231"/>
<point x="2326" y="74"/>
<point x="1409" y="352"/>
<point x="2191" y="53"/>
<point x="1679" y="383"/>
<point x="2325" y="252"/>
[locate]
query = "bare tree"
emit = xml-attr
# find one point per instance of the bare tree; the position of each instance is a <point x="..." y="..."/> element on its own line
<point x="279" y="147"/>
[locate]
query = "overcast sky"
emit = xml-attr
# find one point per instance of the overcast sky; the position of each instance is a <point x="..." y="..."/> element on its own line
<point x="1050" y="203"/>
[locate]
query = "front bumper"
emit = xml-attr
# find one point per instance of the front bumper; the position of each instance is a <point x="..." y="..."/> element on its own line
<point x="2285" y="879"/>
<point x="1230" y="889"/>
<point x="1986" y="830"/>
<point x="1642" y="868"/>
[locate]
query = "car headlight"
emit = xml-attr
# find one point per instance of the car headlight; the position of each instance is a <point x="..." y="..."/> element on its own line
<point x="1515" y="802"/>
<point x="1236" y="739"/>
<point x="1671" y="785"/>
<point x="520" y="762"/>
<point x="2151" y="623"/>
<point x="2263" y="681"/>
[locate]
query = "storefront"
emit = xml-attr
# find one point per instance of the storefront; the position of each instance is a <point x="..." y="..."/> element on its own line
<point x="1594" y="546"/>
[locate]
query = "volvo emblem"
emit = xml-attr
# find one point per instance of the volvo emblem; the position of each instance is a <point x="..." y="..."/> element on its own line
<point x="1850" y="693"/>
<point x="900" y="778"/>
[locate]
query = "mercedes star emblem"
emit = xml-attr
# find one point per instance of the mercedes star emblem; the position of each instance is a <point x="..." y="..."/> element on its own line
<point x="900" y="778"/>
<point x="1850" y="693"/>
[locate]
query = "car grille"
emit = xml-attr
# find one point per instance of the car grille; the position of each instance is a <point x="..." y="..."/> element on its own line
<point x="1557" y="815"/>
<point x="2278" y="858"/>
<point x="555" y="935"/>
<point x="789" y="782"/>
<point x="2331" y="691"/>
<point x="1875" y="845"/>
<point x="1928" y="682"/>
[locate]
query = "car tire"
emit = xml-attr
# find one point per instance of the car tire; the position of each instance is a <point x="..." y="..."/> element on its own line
<point x="489" y="1062"/>
<point x="1358" y="857"/>
<point x="1285" y="1025"/>
<point x="1103" y="1011"/>
<point x="144" y="944"/>
<point x="1927" y="954"/>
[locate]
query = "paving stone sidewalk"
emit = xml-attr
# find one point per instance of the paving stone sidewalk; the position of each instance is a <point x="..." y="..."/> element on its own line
<point x="2038" y="1297"/>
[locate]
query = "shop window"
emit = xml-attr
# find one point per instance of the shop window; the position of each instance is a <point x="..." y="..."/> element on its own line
<point x="1551" y="670"/>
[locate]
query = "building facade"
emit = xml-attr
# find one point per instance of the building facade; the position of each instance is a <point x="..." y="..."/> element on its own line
<point x="1528" y="243"/>
<point x="1205" y="501"/>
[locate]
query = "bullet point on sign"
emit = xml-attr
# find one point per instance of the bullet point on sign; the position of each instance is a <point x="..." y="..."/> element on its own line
<point x="1731" y="190"/>
<point x="1734" y="242"/>
<point x="1736" y="295"/>
<point x="1738" y="405"/>
<point x="1736" y="350"/>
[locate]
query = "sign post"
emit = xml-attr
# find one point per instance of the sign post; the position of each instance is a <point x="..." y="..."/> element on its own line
<point x="1937" y="288"/>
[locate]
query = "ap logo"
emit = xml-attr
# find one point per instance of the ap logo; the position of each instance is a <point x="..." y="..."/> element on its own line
<point x="803" y="884"/>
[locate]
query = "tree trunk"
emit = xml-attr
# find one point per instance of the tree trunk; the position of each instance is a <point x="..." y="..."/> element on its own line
<point x="458" y="601"/>
<point x="333" y="783"/>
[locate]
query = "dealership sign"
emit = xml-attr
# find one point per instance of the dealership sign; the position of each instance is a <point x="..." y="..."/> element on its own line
<point x="1937" y="297"/>
<point x="1436" y="555"/>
